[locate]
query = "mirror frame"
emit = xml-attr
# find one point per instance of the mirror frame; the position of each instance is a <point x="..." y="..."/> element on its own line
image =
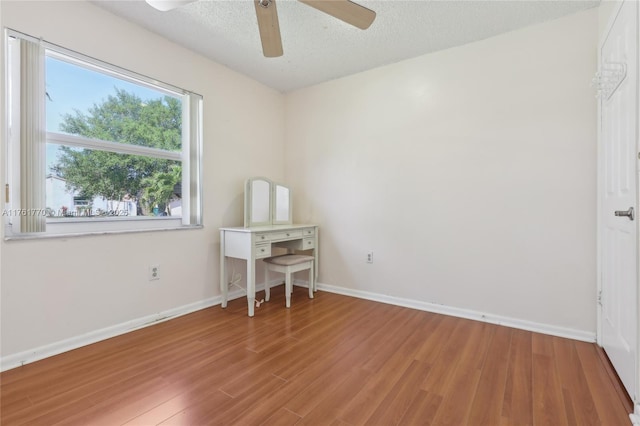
<point x="250" y="199"/>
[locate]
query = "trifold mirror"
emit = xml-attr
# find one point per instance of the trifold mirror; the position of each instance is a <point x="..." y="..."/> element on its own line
<point x="266" y="203"/>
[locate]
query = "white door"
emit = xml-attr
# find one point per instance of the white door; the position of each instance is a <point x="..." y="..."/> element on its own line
<point x="618" y="180"/>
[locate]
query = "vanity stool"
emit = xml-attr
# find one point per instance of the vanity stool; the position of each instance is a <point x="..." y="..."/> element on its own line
<point x="288" y="264"/>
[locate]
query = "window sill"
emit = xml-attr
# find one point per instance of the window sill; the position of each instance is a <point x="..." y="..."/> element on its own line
<point x="72" y="228"/>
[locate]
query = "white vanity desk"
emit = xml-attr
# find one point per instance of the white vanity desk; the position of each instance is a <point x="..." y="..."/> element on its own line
<point x="267" y="224"/>
<point x="255" y="243"/>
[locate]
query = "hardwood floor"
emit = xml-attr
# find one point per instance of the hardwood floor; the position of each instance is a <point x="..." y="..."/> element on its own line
<point x="333" y="360"/>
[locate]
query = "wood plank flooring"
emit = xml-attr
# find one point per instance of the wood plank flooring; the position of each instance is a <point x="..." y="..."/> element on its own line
<point x="332" y="360"/>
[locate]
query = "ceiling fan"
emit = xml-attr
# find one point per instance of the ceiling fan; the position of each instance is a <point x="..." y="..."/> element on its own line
<point x="345" y="10"/>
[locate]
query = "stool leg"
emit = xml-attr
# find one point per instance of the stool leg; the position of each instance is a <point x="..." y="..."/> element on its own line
<point x="267" y="279"/>
<point x="311" y="281"/>
<point x="287" y="288"/>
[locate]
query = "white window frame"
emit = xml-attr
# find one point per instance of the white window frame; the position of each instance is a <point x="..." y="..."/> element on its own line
<point x="190" y="155"/>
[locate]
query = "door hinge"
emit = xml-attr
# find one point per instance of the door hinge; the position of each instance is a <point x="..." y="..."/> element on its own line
<point x="6" y="193"/>
<point x="600" y="297"/>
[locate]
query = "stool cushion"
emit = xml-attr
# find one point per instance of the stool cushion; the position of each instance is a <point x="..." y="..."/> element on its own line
<point x="288" y="259"/>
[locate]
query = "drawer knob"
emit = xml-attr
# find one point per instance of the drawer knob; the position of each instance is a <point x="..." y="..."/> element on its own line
<point x="262" y="250"/>
<point x="288" y="235"/>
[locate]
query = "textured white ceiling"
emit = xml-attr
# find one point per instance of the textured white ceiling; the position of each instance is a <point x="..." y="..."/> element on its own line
<point x="318" y="47"/>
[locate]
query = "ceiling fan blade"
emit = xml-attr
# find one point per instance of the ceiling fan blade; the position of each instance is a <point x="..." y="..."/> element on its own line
<point x="269" y="28"/>
<point x="166" y="5"/>
<point x="345" y="10"/>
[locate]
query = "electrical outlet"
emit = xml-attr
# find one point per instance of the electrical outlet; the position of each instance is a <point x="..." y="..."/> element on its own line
<point x="154" y="272"/>
<point x="370" y="257"/>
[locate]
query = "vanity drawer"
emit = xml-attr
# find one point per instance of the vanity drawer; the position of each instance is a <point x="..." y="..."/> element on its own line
<point x="308" y="243"/>
<point x="285" y="235"/>
<point x="262" y="237"/>
<point x="309" y="232"/>
<point x="262" y="250"/>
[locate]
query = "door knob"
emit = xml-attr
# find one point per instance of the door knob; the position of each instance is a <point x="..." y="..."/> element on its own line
<point x="628" y="213"/>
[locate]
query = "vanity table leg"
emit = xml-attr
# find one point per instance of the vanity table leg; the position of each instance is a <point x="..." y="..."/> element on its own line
<point x="312" y="280"/>
<point x="224" y="286"/>
<point x="251" y="286"/>
<point x="315" y="267"/>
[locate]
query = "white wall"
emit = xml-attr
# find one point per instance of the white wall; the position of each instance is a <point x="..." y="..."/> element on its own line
<point x="470" y="173"/>
<point x="58" y="289"/>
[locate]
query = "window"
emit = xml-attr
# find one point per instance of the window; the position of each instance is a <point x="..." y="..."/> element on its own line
<point x="94" y="148"/>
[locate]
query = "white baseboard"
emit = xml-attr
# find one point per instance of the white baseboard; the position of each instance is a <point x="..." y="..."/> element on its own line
<point x="463" y="313"/>
<point x="36" y="354"/>
<point x="635" y="416"/>
<point x="25" y="357"/>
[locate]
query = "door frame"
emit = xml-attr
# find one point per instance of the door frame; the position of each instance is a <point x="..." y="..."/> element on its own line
<point x="635" y="418"/>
